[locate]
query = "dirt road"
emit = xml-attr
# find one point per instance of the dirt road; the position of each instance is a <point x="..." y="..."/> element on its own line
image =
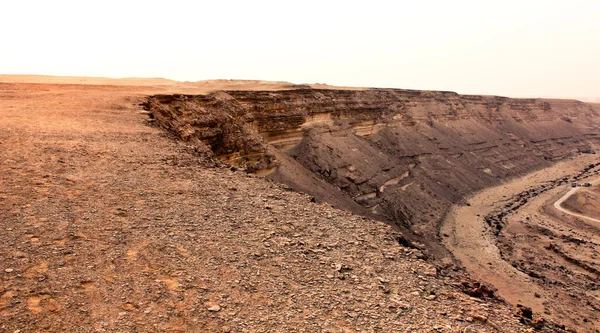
<point x="466" y="236"/>
<point x="572" y="191"/>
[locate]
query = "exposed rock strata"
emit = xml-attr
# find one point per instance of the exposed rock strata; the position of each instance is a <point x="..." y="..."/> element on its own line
<point x="402" y="156"/>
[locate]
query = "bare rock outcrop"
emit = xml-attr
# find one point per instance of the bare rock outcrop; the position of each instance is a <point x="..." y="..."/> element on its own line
<point x="401" y="156"/>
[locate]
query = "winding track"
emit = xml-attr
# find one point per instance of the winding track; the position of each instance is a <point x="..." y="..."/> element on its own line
<point x="476" y="249"/>
<point x="572" y="191"/>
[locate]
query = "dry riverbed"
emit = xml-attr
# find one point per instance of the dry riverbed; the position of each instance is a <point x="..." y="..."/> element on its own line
<point x="523" y="261"/>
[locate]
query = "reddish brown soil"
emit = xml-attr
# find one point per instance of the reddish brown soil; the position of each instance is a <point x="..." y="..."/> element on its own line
<point x="111" y="225"/>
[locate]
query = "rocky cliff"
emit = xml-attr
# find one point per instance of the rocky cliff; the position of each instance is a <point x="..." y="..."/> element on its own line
<point x="399" y="155"/>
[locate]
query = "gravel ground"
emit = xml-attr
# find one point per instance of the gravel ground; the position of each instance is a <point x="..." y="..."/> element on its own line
<point x="111" y="225"/>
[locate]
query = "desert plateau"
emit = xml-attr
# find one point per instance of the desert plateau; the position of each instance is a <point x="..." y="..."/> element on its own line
<point x="152" y="205"/>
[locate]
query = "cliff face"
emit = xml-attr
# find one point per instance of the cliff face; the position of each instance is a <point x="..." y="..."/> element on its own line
<point x="402" y="156"/>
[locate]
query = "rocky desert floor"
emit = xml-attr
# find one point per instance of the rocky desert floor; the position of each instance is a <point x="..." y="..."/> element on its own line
<point x="109" y="224"/>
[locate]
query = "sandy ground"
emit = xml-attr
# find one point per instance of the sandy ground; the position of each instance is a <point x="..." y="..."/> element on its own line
<point x="477" y="249"/>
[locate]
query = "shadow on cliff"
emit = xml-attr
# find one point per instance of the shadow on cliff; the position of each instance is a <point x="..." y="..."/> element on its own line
<point x="400" y="156"/>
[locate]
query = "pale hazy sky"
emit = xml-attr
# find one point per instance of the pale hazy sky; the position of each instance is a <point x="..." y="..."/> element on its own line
<point x="515" y="48"/>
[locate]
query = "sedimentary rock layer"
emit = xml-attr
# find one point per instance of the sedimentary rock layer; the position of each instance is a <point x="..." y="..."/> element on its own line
<point x="402" y="156"/>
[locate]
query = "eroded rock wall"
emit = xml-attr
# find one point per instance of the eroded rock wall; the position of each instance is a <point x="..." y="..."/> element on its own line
<point x="400" y="155"/>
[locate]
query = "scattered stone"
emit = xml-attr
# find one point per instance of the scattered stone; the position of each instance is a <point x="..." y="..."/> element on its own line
<point x="208" y="241"/>
<point x="479" y="317"/>
<point x="431" y="271"/>
<point x="525" y="311"/>
<point x="401" y="304"/>
<point x="477" y="289"/>
<point x="538" y="323"/>
<point x="214" y="308"/>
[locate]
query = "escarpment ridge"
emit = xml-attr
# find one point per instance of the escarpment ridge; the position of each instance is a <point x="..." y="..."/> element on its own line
<point x="402" y="156"/>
